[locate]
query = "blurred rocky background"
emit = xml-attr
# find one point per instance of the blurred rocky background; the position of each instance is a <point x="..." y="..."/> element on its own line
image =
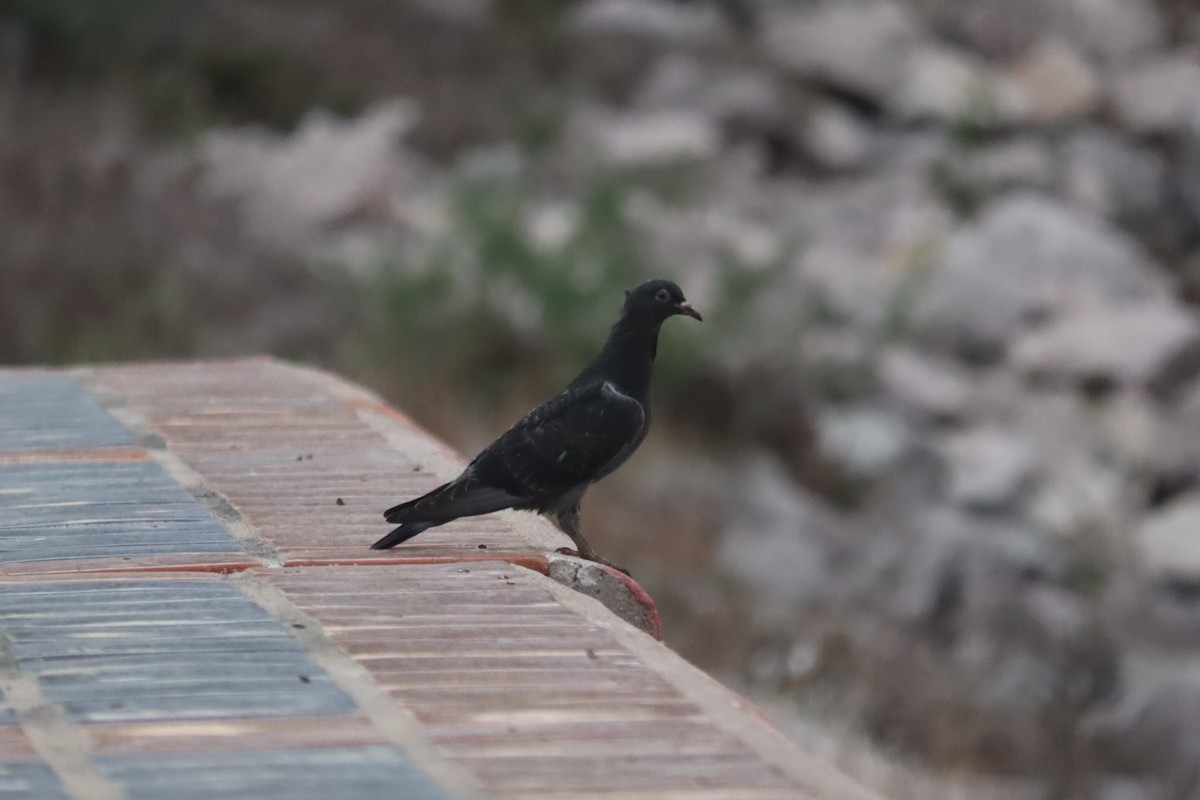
<point x="926" y="482"/>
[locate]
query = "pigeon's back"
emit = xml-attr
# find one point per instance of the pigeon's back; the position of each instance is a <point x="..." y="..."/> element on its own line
<point x="575" y="438"/>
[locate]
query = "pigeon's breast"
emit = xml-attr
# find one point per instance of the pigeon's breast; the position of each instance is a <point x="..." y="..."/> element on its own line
<point x="615" y="393"/>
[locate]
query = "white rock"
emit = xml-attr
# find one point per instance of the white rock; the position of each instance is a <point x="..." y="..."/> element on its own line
<point x="866" y="240"/>
<point x="1127" y="429"/>
<point x="727" y="95"/>
<point x="930" y="387"/>
<point x="702" y="234"/>
<point x="835" y="345"/>
<point x="1136" y="345"/>
<point x="999" y="29"/>
<point x="1029" y="255"/>
<point x="655" y="19"/>
<point x="867" y="441"/>
<point x="646" y="139"/>
<point x="1158" y="95"/>
<point x="1114" y="29"/>
<point x="989" y="542"/>
<point x="836" y="138"/>
<point x="1189" y="400"/>
<point x="859" y="47"/>
<point x="498" y="163"/>
<point x="1080" y="498"/>
<point x="847" y="281"/>
<point x="913" y="151"/>
<point x="987" y="467"/>
<point x="1053" y="84"/>
<point x="551" y="225"/>
<point x="773" y="540"/>
<point x="1169" y="541"/>
<point x="949" y="85"/>
<point x="1174" y="450"/>
<point x="1116" y="788"/>
<point x="1019" y="162"/>
<point x="1157" y="712"/>
<point x="1112" y="178"/>
<point x="1019" y="679"/>
<point x="1187" y="172"/>
<point x="325" y="172"/>
<point x="1080" y="476"/>
<point x="1006" y="29"/>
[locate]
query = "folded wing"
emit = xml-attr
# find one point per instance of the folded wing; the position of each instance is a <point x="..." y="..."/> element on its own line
<point x="576" y="438"/>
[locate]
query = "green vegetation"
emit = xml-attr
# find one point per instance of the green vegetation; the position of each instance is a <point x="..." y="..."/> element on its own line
<point x="502" y="307"/>
<point x="485" y="294"/>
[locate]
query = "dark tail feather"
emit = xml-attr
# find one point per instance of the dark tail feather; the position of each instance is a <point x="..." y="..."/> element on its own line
<point x="402" y="534"/>
<point x="451" y="501"/>
<point x="397" y="513"/>
<point x="462" y="497"/>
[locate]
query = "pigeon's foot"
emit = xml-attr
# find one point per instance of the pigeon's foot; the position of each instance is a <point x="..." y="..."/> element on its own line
<point x="568" y="551"/>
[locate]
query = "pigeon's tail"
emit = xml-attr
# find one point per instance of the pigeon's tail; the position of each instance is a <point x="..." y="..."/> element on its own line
<point x="411" y="511"/>
<point x="402" y="534"/>
<point x="462" y="497"/>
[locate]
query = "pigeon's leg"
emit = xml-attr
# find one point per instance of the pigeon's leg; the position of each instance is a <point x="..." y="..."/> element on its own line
<point x="568" y="521"/>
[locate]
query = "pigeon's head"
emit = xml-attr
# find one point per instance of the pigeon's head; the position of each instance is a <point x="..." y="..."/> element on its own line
<point x="657" y="300"/>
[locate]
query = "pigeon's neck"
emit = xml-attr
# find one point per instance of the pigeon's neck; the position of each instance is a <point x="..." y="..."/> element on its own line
<point x="628" y="357"/>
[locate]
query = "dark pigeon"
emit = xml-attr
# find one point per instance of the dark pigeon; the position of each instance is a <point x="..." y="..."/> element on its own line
<point x="548" y="460"/>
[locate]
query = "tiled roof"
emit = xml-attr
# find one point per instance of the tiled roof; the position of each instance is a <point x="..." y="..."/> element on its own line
<point x="188" y="609"/>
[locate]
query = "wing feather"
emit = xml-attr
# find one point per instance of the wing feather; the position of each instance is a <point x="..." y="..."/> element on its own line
<point x="576" y="438"/>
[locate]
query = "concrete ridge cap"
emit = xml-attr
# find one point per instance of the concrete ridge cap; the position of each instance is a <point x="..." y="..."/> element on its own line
<point x="750" y="725"/>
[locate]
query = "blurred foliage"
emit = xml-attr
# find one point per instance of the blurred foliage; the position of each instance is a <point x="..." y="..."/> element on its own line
<point x="75" y="38"/>
<point x="980" y="124"/>
<point x="1085" y="575"/>
<point x="186" y="72"/>
<point x="501" y="308"/>
<point x="267" y="86"/>
<point x="486" y="294"/>
<point x="153" y="321"/>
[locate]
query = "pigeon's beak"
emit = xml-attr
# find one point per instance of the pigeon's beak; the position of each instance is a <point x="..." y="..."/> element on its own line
<point x="686" y="308"/>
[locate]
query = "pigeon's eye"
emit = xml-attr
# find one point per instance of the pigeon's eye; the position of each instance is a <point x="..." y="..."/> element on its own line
<point x="662" y="296"/>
